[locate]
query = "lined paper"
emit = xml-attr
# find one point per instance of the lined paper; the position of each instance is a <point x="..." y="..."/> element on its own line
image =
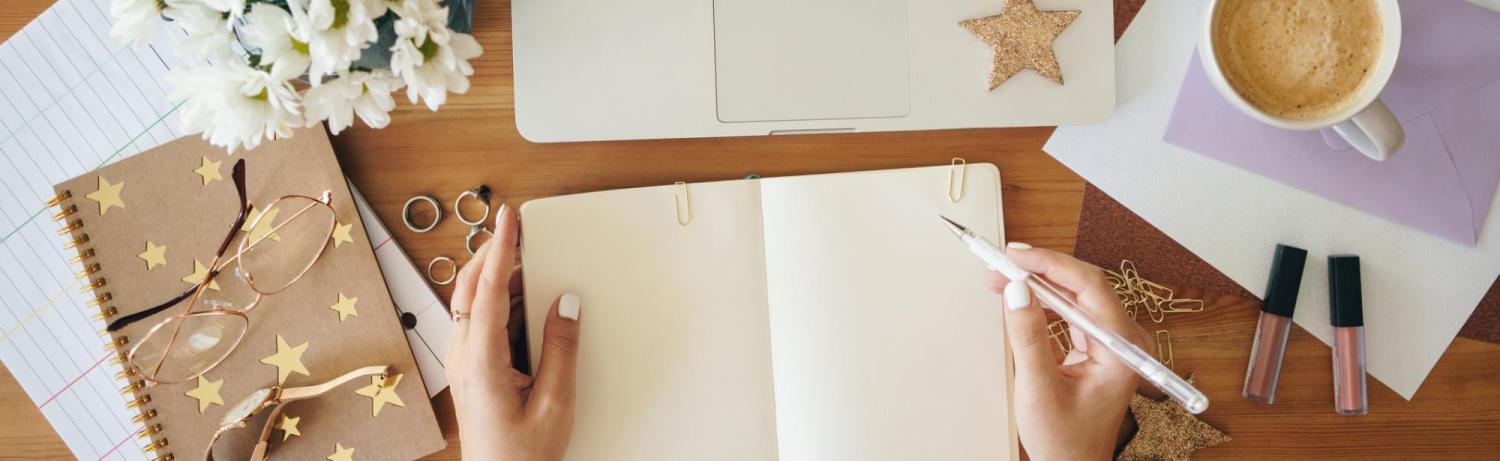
<point x="75" y="100"/>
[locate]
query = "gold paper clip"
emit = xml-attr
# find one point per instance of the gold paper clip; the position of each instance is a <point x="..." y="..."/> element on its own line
<point x="1164" y="348"/>
<point x="685" y="203"/>
<point x="1060" y="337"/>
<point x="961" y="167"/>
<point x="1183" y="305"/>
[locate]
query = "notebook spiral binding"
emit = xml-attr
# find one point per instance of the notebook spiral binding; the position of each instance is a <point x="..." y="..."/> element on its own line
<point x="94" y="284"/>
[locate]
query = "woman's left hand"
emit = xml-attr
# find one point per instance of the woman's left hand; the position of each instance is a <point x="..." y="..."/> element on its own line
<point x="503" y="413"/>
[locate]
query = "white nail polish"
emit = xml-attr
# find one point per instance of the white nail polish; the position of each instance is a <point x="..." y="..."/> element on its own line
<point x="500" y="216"/>
<point x="568" y="306"/>
<point x="1017" y="296"/>
<point x="1018" y="246"/>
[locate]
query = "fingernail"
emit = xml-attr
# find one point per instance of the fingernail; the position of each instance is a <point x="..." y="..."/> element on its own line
<point x="500" y="216"/>
<point x="1018" y="246"/>
<point x="568" y="306"/>
<point x="1017" y="296"/>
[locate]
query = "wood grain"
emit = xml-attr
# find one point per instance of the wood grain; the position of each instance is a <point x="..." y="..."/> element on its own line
<point x="473" y="140"/>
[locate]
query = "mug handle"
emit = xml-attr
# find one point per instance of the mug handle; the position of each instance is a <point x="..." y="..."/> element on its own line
<point x="1374" y="131"/>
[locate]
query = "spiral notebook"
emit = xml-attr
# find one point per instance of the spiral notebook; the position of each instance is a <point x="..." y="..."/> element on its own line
<point x="801" y="318"/>
<point x="144" y="227"/>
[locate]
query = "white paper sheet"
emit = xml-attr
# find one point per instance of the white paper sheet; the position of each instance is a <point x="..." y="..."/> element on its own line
<point x="1418" y="289"/>
<point x="71" y="100"/>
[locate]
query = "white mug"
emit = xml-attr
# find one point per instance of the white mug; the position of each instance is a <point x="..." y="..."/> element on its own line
<point x="1365" y="123"/>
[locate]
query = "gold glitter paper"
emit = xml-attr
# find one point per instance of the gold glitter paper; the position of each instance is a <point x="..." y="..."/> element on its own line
<point x="1167" y="431"/>
<point x="1021" y="37"/>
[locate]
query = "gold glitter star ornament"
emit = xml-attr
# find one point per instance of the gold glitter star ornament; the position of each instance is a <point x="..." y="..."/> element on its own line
<point x="1167" y="431"/>
<point x="1021" y="38"/>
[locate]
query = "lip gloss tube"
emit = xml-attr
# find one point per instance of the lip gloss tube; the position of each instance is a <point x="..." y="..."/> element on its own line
<point x="1346" y="313"/>
<point x="1275" y="324"/>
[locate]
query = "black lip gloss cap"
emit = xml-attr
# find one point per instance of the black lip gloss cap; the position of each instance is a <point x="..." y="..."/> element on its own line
<point x="1345" y="305"/>
<point x="1286" y="280"/>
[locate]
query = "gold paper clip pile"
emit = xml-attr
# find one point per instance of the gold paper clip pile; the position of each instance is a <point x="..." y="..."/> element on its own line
<point x="1136" y="292"/>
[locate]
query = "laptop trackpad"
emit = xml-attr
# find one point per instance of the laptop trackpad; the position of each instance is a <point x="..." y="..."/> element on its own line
<point x="810" y="59"/>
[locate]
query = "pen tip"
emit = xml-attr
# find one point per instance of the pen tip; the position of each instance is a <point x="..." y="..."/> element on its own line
<point x="956" y="228"/>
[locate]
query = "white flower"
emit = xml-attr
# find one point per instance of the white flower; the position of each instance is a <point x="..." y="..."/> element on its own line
<point x="431" y="58"/>
<point x="209" y="33"/>
<point x="234" y="105"/>
<point x="270" y="30"/>
<point x="135" y="20"/>
<point x="367" y="94"/>
<point x="339" y="31"/>
<point x="232" y="9"/>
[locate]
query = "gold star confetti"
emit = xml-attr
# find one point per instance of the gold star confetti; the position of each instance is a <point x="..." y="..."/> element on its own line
<point x="1167" y="431"/>
<point x="155" y="255"/>
<point x="382" y="391"/>
<point x="287" y="359"/>
<point x="345" y="307"/>
<point x="288" y="427"/>
<point x="209" y="171"/>
<point x="199" y="273"/>
<point x="1021" y="37"/>
<point x="341" y="234"/>
<point x="108" y="195"/>
<point x="262" y="224"/>
<point x="207" y="393"/>
<point x="341" y="454"/>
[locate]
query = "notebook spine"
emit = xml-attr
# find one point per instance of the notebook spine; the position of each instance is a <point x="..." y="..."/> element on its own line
<point x="94" y="284"/>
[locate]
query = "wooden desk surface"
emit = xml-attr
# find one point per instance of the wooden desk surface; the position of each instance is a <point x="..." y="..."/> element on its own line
<point x="473" y="140"/>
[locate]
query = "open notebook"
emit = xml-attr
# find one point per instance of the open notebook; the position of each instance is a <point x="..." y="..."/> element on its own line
<point x="802" y="318"/>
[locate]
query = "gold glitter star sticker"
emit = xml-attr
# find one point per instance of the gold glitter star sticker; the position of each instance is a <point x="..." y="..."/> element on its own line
<point x="382" y="391"/>
<point x="341" y="234"/>
<point x="345" y="307"/>
<point x="341" y="454"/>
<point x="1167" y="431"/>
<point x="287" y="359"/>
<point x="209" y="171"/>
<point x="155" y="255"/>
<point x="288" y="427"/>
<point x="207" y="393"/>
<point x="1021" y="37"/>
<point x="108" y="195"/>
<point x="199" y="273"/>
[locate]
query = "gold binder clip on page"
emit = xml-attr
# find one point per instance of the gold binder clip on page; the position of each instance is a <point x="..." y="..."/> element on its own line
<point x="958" y="168"/>
<point x="684" y="206"/>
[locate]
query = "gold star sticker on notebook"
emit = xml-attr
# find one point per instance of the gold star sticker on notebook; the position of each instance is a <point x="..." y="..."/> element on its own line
<point x="288" y="427"/>
<point x="341" y="234"/>
<point x="209" y="171"/>
<point x="108" y="195"/>
<point x="199" y="273"/>
<point x="155" y="255"/>
<point x="207" y="393"/>
<point x="345" y="307"/>
<point x="287" y="360"/>
<point x="382" y="391"/>
<point x="341" y="454"/>
<point x="1021" y="37"/>
<point x="262" y="224"/>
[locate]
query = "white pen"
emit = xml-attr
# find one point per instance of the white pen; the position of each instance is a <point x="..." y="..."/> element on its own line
<point x="1065" y="306"/>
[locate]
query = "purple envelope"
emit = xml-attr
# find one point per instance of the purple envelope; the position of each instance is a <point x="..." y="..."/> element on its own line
<point x="1446" y="93"/>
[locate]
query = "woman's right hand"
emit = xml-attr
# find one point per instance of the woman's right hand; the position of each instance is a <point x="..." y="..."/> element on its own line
<point x="1071" y="410"/>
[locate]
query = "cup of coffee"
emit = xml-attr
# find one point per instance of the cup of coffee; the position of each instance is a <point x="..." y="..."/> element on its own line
<point x="1308" y="65"/>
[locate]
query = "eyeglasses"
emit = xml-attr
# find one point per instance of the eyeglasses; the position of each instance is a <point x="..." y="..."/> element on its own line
<point x="281" y="244"/>
<point x="274" y="398"/>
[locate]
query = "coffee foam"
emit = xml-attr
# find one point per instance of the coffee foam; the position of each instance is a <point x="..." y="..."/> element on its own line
<point x="1297" y="59"/>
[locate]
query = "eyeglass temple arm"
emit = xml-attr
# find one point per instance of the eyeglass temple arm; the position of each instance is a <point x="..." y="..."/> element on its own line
<point x="239" y="186"/>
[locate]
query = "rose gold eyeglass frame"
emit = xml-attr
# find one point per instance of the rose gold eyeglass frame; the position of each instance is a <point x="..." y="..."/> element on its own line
<point x="219" y="263"/>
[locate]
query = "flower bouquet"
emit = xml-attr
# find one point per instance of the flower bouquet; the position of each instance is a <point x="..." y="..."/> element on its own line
<point x="272" y="65"/>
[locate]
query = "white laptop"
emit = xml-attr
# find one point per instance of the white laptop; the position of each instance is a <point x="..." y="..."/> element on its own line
<point x="588" y="70"/>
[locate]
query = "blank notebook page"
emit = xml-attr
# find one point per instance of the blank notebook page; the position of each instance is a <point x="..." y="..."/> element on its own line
<point x="886" y="343"/>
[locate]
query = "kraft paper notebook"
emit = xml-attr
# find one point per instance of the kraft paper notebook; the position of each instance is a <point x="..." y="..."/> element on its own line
<point x="143" y="228"/>
<point x="801" y="318"/>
